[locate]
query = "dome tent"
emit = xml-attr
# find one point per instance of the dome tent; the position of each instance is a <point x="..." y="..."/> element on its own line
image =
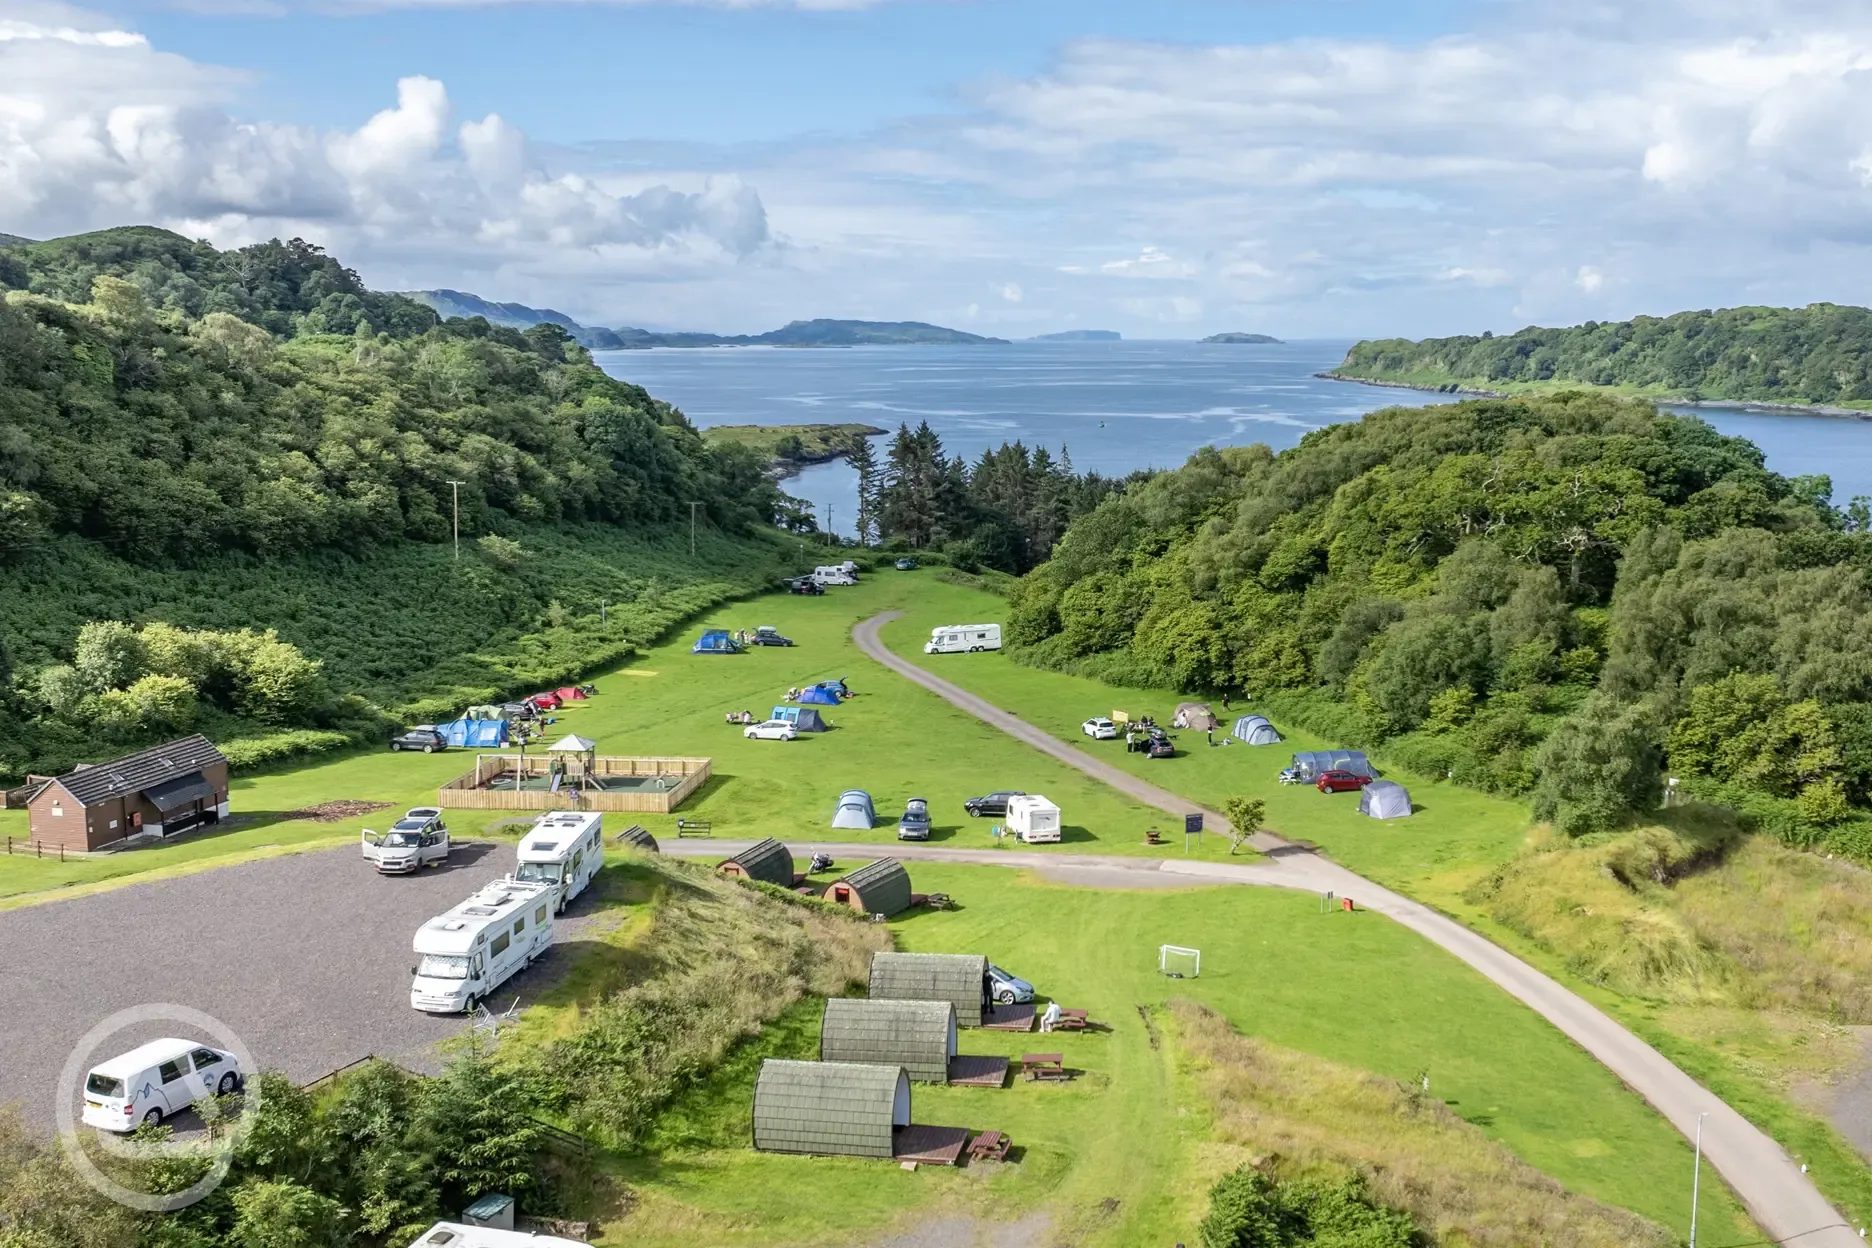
<point x="1384" y="799"/>
<point x="819" y="695"/>
<point x="1195" y="716"/>
<point x="855" y="810"/>
<point x="1255" y="730"/>
<point x="803" y="718"/>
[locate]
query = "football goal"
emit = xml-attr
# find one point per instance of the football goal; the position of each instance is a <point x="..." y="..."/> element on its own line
<point x="1178" y="962"/>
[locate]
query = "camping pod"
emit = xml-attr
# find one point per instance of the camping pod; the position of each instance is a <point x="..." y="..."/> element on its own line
<point x="919" y="1036"/>
<point x="767" y="861"/>
<point x="1308" y="765"/>
<point x="1384" y="799"/>
<point x="881" y="887"/>
<point x="855" y="810"/>
<point x="1196" y="716"/>
<point x="637" y="837"/>
<point x="1255" y="730"/>
<point x="833" y="1109"/>
<point x="952" y="977"/>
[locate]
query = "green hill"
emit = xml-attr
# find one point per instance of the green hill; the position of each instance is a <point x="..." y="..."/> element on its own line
<point x="1816" y="356"/>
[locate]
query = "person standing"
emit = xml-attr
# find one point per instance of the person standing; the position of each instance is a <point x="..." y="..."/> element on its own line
<point x="987" y="993"/>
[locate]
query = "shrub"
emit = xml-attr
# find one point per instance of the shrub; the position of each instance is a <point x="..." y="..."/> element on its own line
<point x="503" y="552"/>
<point x="251" y="752"/>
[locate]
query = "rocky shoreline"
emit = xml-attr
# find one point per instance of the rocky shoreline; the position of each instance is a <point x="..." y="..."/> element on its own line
<point x="1740" y="405"/>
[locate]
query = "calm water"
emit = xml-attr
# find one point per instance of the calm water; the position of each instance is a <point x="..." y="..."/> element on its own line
<point x="1115" y="407"/>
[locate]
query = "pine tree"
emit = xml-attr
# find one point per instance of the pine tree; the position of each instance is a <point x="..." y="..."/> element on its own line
<point x="862" y="458"/>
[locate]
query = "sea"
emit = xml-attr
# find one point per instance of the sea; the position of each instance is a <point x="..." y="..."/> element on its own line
<point x="1114" y="407"/>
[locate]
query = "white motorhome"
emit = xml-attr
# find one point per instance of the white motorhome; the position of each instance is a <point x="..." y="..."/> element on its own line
<point x="836" y="574"/>
<point x="419" y="839"/>
<point x="564" y="849"/>
<point x="963" y="639"/>
<point x="477" y="946"/>
<point x="460" y="1235"/>
<point x="158" y="1079"/>
<point x="1032" y="819"/>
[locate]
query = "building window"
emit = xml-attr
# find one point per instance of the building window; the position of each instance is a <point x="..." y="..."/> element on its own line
<point x="58" y="811"/>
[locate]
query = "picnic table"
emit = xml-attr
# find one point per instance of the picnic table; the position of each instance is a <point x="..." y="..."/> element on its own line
<point x="694" y="827"/>
<point x="1071" y="1020"/>
<point x="990" y="1146"/>
<point x="1044" y="1066"/>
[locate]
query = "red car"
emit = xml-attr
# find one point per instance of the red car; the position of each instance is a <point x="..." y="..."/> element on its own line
<point x="1341" y="782"/>
<point x="546" y="701"/>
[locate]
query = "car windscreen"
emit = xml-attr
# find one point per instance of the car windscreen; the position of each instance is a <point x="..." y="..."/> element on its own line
<point x="538" y="872"/>
<point x="443" y="966"/>
<point x="402" y="840"/>
<point x="103" y="1085"/>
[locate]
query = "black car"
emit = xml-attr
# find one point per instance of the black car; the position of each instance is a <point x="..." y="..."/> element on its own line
<point x="805" y="585"/>
<point x="428" y="740"/>
<point x="1159" y="747"/>
<point x="764" y="636"/>
<point x="991" y="804"/>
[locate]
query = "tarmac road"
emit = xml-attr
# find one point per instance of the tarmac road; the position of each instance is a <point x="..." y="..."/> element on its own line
<point x="1777" y="1194"/>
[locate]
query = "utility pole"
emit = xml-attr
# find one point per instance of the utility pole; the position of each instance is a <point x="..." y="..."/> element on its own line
<point x="692" y="507"/>
<point x="828" y="524"/>
<point x="1696" y="1178"/>
<point x="455" y="491"/>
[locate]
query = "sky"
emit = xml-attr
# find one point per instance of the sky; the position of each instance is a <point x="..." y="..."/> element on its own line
<point x="1170" y="169"/>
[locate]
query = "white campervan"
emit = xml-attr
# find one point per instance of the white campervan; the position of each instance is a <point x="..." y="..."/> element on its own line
<point x="149" y="1083"/>
<point x="564" y="849"/>
<point x="477" y="946"/>
<point x="836" y="574"/>
<point x="963" y="639"/>
<point x="461" y="1235"/>
<point x="1032" y="819"/>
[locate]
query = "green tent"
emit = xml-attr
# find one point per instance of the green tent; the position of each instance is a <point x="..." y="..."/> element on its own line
<point x="840" y="1109"/>
<point x="919" y="1036"/>
<point x="767" y="860"/>
<point x="881" y="887"/>
<point x="952" y="977"/>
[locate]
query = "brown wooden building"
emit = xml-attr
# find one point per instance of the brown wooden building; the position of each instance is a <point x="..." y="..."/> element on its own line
<point x="164" y="790"/>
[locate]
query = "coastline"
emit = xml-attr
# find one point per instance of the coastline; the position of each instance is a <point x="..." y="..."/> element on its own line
<point x="1738" y="405"/>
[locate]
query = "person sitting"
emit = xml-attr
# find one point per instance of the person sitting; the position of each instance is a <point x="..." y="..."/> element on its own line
<point x="1050" y="1018"/>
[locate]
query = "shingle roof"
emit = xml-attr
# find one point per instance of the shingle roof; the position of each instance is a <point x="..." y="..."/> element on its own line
<point x="638" y="837"/>
<point x="883" y="886"/>
<point x="952" y="977"/>
<point x="834" y="1108"/>
<point x="145" y="769"/>
<point x="916" y="1035"/>
<point x="767" y="860"/>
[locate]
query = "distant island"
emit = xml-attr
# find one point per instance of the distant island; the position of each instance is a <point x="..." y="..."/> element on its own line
<point x="822" y="332"/>
<point x="1080" y="335"/>
<point x="1817" y="358"/>
<point x="1242" y="338"/>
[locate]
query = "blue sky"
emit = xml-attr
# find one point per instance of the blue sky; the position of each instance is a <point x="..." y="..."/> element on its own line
<point x="1169" y="169"/>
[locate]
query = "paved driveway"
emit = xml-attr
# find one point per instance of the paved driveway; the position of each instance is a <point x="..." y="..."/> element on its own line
<point x="306" y="956"/>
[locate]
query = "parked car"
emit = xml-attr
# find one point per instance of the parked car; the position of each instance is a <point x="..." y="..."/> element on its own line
<point x="158" y="1079"/>
<point x="1008" y="988"/>
<point x="548" y="701"/>
<point x="768" y="635"/>
<point x="991" y="804"/>
<point x="518" y="710"/>
<point x="419" y="839"/>
<point x="771" y="730"/>
<point x="804" y="585"/>
<point x="426" y="739"/>
<point x="1336" y="781"/>
<point x="1159" y="746"/>
<point x="906" y="565"/>
<point x="1100" y="729"/>
<point x="915" y="824"/>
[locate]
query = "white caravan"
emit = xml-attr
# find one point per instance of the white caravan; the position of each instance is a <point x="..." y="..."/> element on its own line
<point x="565" y="849"/>
<point x="1032" y="819"/>
<point x="963" y="639"/>
<point x="836" y="574"/>
<point x="149" y="1083"/>
<point x="459" y="1235"/>
<point x="476" y="947"/>
<point x="419" y="839"/>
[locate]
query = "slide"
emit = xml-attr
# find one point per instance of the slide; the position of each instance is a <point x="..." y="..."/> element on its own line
<point x="557" y="777"/>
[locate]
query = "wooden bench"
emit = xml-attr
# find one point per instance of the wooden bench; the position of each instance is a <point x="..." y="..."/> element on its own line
<point x="1044" y="1066"/>
<point x="694" y="827"/>
<point x="990" y="1146"/>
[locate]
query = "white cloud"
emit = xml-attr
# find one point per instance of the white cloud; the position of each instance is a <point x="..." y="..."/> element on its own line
<point x="1589" y="279"/>
<point x="1011" y="292"/>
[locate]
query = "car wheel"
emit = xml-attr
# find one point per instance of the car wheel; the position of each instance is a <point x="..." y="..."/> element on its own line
<point x="428" y="749"/>
<point x="395" y="748"/>
<point x="471" y="1005"/>
<point x="1006" y="997"/>
<point x="153" y="1118"/>
<point x="228" y="1083"/>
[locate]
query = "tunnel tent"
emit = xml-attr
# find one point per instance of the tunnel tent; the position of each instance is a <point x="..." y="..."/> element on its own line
<point x="1195" y="716"/>
<point x="952" y="977"/>
<point x="1255" y="730"/>
<point x="804" y="718"/>
<point x="919" y="1036"/>
<point x="767" y="861"/>
<point x="881" y="887"/>
<point x="716" y="641"/>
<point x="1384" y="799"/>
<point x="474" y="734"/>
<point x="855" y="810"/>
<point x="835" y="1109"/>
<point x="818" y="695"/>
<point x="1308" y="764"/>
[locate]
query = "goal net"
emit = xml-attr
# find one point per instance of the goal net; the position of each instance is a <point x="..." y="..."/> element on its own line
<point x="1178" y="962"/>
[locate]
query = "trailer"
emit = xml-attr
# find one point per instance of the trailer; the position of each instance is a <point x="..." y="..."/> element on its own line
<point x="1033" y="819"/>
<point x="963" y="639"/>
<point x="475" y="947"/>
<point x="564" y="849"/>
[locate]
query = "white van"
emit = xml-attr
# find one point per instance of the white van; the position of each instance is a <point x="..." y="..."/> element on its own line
<point x="565" y="849"/>
<point x="963" y="639"/>
<point x="419" y="839"/>
<point x="458" y="1235"/>
<point x="836" y="574"/>
<point x="149" y="1083"/>
<point x="1032" y="819"/>
<point x="480" y="944"/>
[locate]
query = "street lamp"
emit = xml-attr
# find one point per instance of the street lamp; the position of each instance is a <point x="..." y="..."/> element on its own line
<point x="455" y="492"/>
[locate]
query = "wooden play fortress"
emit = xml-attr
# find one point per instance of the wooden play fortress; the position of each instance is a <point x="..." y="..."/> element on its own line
<point x="574" y="779"/>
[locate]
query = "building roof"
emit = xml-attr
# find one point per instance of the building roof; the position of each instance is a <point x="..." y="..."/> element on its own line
<point x="883" y="885"/>
<point x="638" y="837"/>
<point x="767" y="860"/>
<point x="916" y="1035"/>
<point x="835" y="1108"/>
<point x="952" y="977"/>
<point x="145" y="769"/>
<point x="572" y="743"/>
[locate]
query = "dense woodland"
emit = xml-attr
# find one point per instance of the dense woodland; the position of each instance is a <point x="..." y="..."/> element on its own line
<point x="1819" y="354"/>
<point x="1569" y="597"/>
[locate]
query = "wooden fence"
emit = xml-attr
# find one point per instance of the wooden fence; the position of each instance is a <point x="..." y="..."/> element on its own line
<point x="673" y="781"/>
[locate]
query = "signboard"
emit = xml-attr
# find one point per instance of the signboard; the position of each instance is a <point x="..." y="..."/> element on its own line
<point x="1192" y="823"/>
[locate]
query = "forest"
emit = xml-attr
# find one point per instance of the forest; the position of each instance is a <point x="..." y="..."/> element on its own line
<point x="1817" y="355"/>
<point x="1572" y="597"/>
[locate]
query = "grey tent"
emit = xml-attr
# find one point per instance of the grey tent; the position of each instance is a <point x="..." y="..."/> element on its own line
<point x="854" y="810"/>
<point x="838" y="1109"/>
<point x="919" y="1036"/>
<point x="1255" y="730"/>
<point x="637" y="837"/>
<point x="952" y="977"/>
<point x="1384" y="799"/>
<point x="881" y="887"/>
<point x="1309" y="764"/>
<point x="1195" y="716"/>
<point x="766" y="860"/>
<point x="804" y="718"/>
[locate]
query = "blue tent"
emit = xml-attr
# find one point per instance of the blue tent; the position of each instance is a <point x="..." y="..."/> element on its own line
<point x="474" y="734"/>
<point x="716" y="641"/>
<point x="803" y="718"/>
<point x="820" y="695"/>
